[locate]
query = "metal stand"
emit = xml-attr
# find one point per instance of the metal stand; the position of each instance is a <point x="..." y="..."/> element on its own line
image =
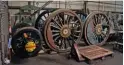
<point x="119" y="42"/>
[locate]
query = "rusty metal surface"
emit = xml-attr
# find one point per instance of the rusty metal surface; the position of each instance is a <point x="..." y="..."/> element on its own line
<point x="60" y="28"/>
<point x="93" y="52"/>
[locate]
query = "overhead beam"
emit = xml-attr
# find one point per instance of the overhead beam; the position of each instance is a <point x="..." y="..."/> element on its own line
<point x="106" y="3"/>
<point x="47" y="3"/>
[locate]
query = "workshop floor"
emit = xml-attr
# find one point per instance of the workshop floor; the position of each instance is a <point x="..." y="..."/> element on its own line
<point x="60" y="59"/>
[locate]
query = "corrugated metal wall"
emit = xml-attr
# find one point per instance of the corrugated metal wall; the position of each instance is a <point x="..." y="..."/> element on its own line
<point x="4" y="28"/>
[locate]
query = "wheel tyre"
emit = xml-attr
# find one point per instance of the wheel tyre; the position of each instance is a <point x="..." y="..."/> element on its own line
<point x="17" y="26"/>
<point x="22" y="53"/>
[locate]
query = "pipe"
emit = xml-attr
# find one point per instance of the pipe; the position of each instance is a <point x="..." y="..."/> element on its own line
<point x="47" y="3"/>
<point x="14" y="7"/>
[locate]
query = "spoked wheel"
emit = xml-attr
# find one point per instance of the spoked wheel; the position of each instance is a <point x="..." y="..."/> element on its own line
<point x="62" y="29"/>
<point x="96" y="28"/>
<point x="39" y="24"/>
<point x="26" y="42"/>
<point x="81" y="15"/>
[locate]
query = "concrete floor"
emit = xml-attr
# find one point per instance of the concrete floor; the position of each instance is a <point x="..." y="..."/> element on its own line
<point x="60" y="59"/>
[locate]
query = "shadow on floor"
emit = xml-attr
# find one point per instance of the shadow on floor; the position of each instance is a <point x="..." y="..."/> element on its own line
<point x="61" y="59"/>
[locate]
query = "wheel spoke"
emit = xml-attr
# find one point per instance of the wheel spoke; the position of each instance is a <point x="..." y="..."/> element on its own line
<point x="55" y="34"/>
<point x="71" y="19"/>
<point x="42" y="19"/>
<point x="56" y="38"/>
<point x="45" y="17"/>
<point x="56" y="31"/>
<point x="54" y="21"/>
<point x="78" y="31"/>
<point x="62" y="16"/>
<point x="74" y="35"/>
<point x="68" y="19"/>
<point x="65" y="44"/>
<point x="69" y="42"/>
<point x="54" y="26"/>
<point x="103" y="35"/>
<point x="101" y="38"/>
<point x="96" y="36"/>
<point x="72" y="38"/>
<point x="76" y="21"/>
<point x="101" y="18"/>
<point x="60" y="19"/>
<point x="62" y="43"/>
<point x="95" y="20"/>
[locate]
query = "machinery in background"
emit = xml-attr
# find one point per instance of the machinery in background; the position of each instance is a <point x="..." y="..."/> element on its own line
<point x="59" y="30"/>
<point x="118" y="44"/>
<point x="116" y="33"/>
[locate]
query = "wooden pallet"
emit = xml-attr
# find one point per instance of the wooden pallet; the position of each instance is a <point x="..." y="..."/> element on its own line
<point x="94" y="52"/>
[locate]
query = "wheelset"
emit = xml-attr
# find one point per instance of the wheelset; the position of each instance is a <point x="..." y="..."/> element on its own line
<point x="26" y="42"/>
<point x="62" y="29"/>
<point x="96" y="28"/>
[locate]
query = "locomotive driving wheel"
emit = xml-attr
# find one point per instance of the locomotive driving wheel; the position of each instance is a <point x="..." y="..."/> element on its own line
<point x="39" y="24"/>
<point x="26" y="42"/>
<point x="62" y="29"/>
<point x="96" y="28"/>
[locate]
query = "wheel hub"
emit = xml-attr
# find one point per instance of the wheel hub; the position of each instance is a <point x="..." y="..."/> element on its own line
<point x="98" y="29"/>
<point x="65" y="31"/>
<point x="30" y="46"/>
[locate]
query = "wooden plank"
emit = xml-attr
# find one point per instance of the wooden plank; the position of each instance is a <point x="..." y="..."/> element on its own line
<point x="94" y="52"/>
<point x="75" y="53"/>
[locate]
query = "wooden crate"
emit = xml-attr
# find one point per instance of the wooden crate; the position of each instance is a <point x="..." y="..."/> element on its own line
<point x="93" y="52"/>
